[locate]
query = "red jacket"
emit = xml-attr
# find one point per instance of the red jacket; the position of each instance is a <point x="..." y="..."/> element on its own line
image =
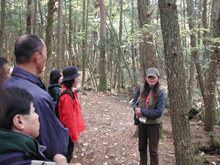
<point x="70" y="114"/>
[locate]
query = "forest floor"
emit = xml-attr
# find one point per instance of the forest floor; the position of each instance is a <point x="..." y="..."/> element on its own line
<point x="109" y="135"/>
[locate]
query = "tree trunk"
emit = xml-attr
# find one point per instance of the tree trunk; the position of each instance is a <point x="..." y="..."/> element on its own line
<point x="41" y="24"/>
<point x="86" y="32"/>
<point x="147" y="48"/>
<point x="213" y="68"/>
<point x="70" y="32"/>
<point x="40" y="10"/>
<point x="2" y="30"/>
<point x="176" y="83"/>
<point x="48" y="42"/>
<point x="132" y="48"/>
<point x="59" y="35"/>
<point x="29" y="16"/>
<point x="83" y="44"/>
<point x="35" y="18"/>
<point x="204" y="21"/>
<point x="102" y="65"/>
<point x="191" y="19"/>
<point x="74" y="30"/>
<point x="119" y="50"/>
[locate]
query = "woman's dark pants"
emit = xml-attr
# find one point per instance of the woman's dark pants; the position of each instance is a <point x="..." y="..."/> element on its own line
<point x="69" y="151"/>
<point x="151" y="132"/>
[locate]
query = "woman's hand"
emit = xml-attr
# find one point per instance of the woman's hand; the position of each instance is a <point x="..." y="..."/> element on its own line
<point x="138" y="112"/>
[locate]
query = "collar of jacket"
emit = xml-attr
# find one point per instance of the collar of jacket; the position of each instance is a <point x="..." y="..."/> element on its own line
<point x="20" y="73"/>
<point x="17" y="142"/>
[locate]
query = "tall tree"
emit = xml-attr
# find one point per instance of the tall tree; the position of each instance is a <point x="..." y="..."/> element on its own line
<point x="205" y="21"/>
<point x="119" y="44"/>
<point x="59" y="34"/>
<point x="49" y="39"/>
<point x="147" y="48"/>
<point x="214" y="66"/>
<point x="191" y="22"/>
<point x="84" y="43"/>
<point x="132" y="48"/>
<point x="35" y="17"/>
<point x="176" y="82"/>
<point x="195" y="55"/>
<point x="41" y="24"/>
<point x="102" y="65"/>
<point x="29" y="16"/>
<point x="2" y="30"/>
<point x="86" y="30"/>
<point x="70" y="32"/>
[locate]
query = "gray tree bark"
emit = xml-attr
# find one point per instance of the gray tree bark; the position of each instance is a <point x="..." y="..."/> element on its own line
<point x="147" y="46"/>
<point x="176" y="83"/>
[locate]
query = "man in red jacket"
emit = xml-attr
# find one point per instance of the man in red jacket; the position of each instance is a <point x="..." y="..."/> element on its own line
<point x="69" y="108"/>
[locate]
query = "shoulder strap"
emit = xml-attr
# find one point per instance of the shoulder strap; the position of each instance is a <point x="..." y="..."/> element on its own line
<point x="67" y="91"/>
<point x="61" y="94"/>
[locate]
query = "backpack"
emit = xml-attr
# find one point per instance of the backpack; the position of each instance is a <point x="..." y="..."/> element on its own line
<point x="61" y="94"/>
<point x="54" y="91"/>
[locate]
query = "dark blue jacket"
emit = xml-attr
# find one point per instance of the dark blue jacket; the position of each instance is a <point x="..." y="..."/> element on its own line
<point x="52" y="134"/>
<point x="160" y="105"/>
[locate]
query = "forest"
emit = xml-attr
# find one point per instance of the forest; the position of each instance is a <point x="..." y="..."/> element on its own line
<point x="113" y="42"/>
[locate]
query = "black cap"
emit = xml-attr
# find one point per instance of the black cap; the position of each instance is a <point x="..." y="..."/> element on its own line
<point x="54" y="76"/>
<point x="70" y="73"/>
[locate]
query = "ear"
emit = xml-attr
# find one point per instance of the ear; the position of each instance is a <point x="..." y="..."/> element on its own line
<point x="36" y="56"/>
<point x="18" y="122"/>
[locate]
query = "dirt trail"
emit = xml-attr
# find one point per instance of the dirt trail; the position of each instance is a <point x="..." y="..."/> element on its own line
<point x="108" y="138"/>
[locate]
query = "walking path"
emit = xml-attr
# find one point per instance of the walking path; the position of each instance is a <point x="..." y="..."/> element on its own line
<point x="109" y="135"/>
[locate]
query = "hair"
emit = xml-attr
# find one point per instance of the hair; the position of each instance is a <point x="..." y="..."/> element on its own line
<point x="26" y="46"/>
<point x="147" y="89"/>
<point x="3" y="105"/>
<point x="68" y="84"/>
<point x="18" y="102"/>
<point x="54" y="76"/>
<point x="3" y="61"/>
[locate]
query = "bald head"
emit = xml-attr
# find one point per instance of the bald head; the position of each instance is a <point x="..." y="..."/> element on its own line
<point x="26" y="46"/>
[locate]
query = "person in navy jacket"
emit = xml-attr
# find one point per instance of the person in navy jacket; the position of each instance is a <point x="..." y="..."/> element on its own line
<point x="31" y="55"/>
